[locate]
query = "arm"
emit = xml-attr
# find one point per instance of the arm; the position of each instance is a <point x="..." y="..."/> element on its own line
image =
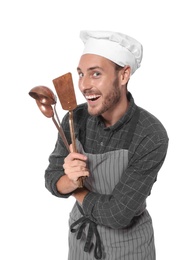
<point x="62" y="179"/>
<point x="55" y="173"/>
<point x="74" y="167"/>
<point x="117" y="209"/>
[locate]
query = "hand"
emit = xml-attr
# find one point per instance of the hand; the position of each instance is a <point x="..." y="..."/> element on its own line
<point x="75" y="166"/>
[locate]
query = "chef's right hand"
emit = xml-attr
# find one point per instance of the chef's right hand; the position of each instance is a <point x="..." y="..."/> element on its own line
<point x="75" y="166"/>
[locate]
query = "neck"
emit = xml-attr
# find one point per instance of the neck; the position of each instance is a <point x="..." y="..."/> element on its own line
<point x="113" y="115"/>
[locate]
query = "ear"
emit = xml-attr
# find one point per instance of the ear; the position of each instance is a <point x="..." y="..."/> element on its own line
<point x="125" y="75"/>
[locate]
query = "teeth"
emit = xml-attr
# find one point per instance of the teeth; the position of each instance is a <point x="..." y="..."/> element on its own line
<point x="92" y="96"/>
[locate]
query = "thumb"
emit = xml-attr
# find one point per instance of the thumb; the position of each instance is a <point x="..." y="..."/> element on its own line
<point x="71" y="148"/>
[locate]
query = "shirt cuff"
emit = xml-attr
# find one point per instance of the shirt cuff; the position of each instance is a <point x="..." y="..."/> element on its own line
<point x="88" y="204"/>
<point x="54" y="190"/>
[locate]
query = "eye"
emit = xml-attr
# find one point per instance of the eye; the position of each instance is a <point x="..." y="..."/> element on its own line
<point x="96" y="74"/>
<point x="80" y="74"/>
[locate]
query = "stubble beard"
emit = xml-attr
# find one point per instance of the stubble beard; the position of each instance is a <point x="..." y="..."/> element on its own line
<point x="110" y="100"/>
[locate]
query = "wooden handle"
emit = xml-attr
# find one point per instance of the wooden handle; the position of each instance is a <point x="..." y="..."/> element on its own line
<point x="72" y="132"/>
<point x="73" y="139"/>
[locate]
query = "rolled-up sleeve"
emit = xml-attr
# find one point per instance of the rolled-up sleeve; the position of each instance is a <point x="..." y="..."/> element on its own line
<point x="55" y="169"/>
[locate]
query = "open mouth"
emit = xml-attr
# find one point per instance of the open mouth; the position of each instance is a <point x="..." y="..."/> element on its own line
<point x="92" y="97"/>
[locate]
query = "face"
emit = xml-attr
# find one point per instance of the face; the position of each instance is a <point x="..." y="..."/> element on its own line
<point x="99" y="83"/>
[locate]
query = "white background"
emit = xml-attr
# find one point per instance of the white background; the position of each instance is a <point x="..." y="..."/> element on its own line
<point x="39" y="42"/>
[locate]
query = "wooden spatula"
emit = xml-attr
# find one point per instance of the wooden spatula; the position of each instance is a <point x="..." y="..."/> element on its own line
<point x="66" y="94"/>
<point x="65" y="91"/>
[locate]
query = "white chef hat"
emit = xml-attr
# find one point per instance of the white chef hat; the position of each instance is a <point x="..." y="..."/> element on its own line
<point x="117" y="47"/>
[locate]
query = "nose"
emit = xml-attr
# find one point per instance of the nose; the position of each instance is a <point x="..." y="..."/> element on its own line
<point x="85" y="83"/>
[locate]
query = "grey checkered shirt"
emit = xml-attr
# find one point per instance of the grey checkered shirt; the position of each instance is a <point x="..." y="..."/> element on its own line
<point x="147" y="152"/>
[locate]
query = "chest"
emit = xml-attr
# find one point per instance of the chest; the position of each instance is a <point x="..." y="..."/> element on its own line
<point x="105" y="169"/>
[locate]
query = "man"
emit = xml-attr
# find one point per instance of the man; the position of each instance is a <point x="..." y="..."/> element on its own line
<point x="120" y="149"/>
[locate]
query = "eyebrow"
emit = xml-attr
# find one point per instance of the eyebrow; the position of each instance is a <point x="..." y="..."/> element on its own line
<point x="90" y="69"/>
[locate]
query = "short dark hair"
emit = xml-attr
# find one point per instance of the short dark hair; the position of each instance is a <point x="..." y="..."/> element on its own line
<point x="118" y="67"/>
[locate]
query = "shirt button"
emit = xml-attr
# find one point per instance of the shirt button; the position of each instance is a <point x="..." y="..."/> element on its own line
<point x="101" y="143"/>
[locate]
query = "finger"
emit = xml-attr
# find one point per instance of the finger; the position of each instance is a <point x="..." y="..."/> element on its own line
<point x="75" y="156"/>
<point x="74" y="176"/>
<point x="71" y="148"/>
<point x="73" y="167"/>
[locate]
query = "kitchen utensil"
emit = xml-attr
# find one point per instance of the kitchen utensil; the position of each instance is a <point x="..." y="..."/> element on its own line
<point x="45" y="98"/>
<point x="65" y="91"/>
<point x="66" y="94"/>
